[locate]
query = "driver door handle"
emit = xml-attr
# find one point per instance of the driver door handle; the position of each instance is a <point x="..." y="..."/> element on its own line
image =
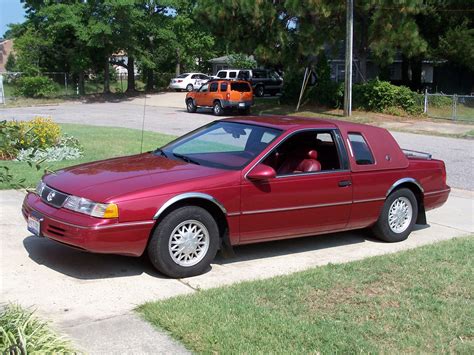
<point x="345" y="183"/>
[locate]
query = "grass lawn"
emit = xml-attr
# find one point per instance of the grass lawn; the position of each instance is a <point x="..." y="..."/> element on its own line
<point x="98" y="142"/>
<point x="414" y="301"/>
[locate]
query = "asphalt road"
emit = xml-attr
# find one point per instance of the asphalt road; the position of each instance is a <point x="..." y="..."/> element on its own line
<point x="458" y="154"/>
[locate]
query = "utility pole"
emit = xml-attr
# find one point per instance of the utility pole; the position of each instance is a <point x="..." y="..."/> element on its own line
<point x="348" y="70"/>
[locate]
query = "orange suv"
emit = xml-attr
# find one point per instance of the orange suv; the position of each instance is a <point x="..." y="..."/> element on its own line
<point x="221" y="95"/>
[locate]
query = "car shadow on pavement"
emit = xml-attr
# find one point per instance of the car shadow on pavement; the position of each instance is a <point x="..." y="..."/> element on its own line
<point x="295" y="246"/>
<point x="83" y="265"/>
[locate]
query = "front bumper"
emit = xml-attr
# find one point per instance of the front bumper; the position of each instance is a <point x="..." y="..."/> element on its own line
<point x="237" y="104"/>
<point x="88" y="233"/>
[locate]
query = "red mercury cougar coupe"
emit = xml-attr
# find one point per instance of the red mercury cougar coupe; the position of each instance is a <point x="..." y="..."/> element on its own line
<point x="239" y="181"/>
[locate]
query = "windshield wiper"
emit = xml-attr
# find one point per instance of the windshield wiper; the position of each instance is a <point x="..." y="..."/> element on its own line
<point x="161" y="152"/>
<point x="186" y="158"/>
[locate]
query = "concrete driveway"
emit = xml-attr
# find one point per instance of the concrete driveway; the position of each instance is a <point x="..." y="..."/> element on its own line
<point x="84" y="293"/>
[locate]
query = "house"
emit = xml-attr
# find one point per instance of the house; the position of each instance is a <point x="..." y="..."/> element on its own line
<point x="222" y="63"/>
<point x="6" y="47"/>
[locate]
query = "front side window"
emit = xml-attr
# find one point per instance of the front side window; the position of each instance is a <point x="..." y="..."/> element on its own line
<point x="204" y="88"/>
<point x="221" y="74"/>
<point x="225" y="145"/>
<point x="213" y="87"/>
<point x="360" y="149"/>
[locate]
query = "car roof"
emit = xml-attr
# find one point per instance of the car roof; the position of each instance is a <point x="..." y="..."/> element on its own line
<point x="287" y="123"/>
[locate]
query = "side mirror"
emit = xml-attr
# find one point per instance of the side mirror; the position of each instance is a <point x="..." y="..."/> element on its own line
<point x="261" y="172"/>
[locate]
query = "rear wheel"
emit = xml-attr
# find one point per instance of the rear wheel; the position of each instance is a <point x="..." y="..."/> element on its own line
<point x="217" y="109"/>
<point x="259" y="91"/>
<point x="190" y="106"/>
<point x="184" y="243"/>
<point x="190" y="87"/>
<point x="398" y="216"/>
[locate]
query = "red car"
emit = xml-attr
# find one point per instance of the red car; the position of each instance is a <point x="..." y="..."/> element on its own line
<point x="239" y="181"/>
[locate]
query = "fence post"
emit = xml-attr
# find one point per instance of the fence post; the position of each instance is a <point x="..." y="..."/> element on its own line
<point x="425" y="108"/>
<point x="455" y="103"/>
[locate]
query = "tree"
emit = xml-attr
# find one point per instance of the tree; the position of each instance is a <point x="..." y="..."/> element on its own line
<point x="241" y="61"/>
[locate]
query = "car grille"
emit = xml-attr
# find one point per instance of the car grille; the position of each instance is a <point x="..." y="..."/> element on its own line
<point x="53" y="197"/>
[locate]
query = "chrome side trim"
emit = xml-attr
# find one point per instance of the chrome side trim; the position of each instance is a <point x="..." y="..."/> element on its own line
<point x="187" y="195"/>
<point x="312" y="173"/>
<point x="297" y="208"/>
<point x="436" y="192"/>
<point x="370" y="200"/>
<point x="402" y="181"/>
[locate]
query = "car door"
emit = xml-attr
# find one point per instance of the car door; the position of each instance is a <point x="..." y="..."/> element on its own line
<point x="296" y="204"/>
<point x="201" y="96"/>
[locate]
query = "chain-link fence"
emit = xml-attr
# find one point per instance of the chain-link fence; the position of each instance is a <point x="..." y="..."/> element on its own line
<point x="451" y="107"/>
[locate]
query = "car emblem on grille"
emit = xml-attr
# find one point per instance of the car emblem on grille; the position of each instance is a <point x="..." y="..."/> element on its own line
<point x="51" y="196"/>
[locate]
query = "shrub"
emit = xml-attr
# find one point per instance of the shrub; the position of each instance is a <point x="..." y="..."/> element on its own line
<point x="329" y="94"/>
<point x="68" y="148"/>
<point x="39" y="133"/>
<point x="21" y="332"/>
<point x="439" y="101"/>
<point x="381" y="96"/>
<point x="35" y="86"/>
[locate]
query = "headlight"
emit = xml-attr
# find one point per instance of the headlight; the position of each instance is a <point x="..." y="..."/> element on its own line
<point x="40" y="187"/>
<point x="91" y="208"/>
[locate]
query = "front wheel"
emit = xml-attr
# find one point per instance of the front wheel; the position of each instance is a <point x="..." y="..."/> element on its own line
<point x="259" y="91"/>
<point x="217" y="109"/>
<point x="184" y="243"/>
<point x="398" y="216"/>
<point x="190" y="106"/>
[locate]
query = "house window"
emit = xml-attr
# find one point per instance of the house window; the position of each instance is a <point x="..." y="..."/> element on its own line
<point x="360" y="149"/>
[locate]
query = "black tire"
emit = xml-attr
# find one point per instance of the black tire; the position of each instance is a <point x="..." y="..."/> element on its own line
<point x="259" y="91"/>
<point x="189" y="87"/>
<point x="217" y="109"/>
<point x="190" y="106"/>
<point x="387" y="227"/>
<point x="159" y="250"/>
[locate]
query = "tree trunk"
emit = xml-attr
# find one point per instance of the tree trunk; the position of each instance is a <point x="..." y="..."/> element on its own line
<point x="80" y="80"/>
<point x="131" y="75"/>
<point x="415" y="65"/>
<point x="178" y="62"/>
<point x="150" y="82"/>
<point x="106" y="77"/>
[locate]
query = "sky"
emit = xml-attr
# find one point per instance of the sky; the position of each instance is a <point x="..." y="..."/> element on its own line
<point x="11" y="11"/>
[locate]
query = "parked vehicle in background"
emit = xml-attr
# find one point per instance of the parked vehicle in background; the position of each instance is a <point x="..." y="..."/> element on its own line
<point x="188" y="81"/>
<point x="238" y="181"/>
<point x="221" y="95"/>
<point x="264" y="81"/>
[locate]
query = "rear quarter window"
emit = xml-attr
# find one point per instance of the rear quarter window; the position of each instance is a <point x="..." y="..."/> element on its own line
<point x="242" y="87"/>
<point x="360" y="149"/>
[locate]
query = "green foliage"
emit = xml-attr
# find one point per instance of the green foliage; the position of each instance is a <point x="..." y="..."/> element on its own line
<point x="10" y="65"/>
<point x="241" y="61"/>
<point x="439" y="101"/>
<point x="379" y="96"/>
<point x="21" y="332"/>
<point x="35" y="86"/>
<point x="328" y="94"/>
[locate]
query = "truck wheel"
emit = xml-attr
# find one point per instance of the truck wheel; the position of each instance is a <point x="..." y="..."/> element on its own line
<point x="217" y="109"/>
<point x="398" y="216"/>
<point x="190" y="106"/>
<point x="184" y="243"/>
<point x="259" y="91"/>
<point x="190" y="87"/>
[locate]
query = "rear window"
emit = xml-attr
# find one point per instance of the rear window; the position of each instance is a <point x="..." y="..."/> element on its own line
<point x="182" y="76"/>
<point x="242" y="87"/>
<point x="360" y="149"/>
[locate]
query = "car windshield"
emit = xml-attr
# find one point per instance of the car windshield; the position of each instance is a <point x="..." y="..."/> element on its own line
<point x="224" y="145"/>
<point x="242" y="87"/>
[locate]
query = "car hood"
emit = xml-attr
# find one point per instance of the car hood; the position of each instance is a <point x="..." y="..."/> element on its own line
<point x="112" y="179"/>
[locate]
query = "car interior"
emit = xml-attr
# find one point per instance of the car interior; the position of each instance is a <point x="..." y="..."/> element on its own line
<point x="305" y="152"/>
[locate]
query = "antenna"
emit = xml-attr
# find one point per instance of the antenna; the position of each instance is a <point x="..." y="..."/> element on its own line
<point x="143" y="124"/>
